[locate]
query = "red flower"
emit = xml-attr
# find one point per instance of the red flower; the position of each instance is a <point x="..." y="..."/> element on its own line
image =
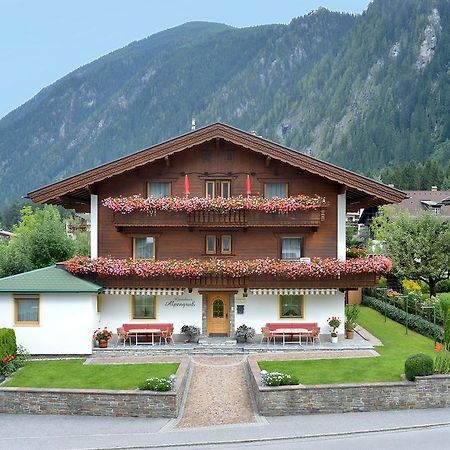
<point x="438" y="347"/>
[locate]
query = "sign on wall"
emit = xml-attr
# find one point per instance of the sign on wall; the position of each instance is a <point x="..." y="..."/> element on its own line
<point x="181" y="303"/>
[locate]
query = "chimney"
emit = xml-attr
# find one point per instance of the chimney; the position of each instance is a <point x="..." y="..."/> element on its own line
<point x="193" y="125"/>
<point x="433" y="188"/>
<point x="391" y="185"/>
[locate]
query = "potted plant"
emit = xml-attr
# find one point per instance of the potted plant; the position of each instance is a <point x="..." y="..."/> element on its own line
<point x="243" y="332"/>
<point x="102" y="336"/>
<point x="192" y="333"/>
<point x="334" y="323"/>
<point x="351" y="315"/>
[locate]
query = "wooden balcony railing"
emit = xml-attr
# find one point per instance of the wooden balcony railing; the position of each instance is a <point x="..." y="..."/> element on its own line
<point x="352" y="281"/>
<point x="214" y="219"/>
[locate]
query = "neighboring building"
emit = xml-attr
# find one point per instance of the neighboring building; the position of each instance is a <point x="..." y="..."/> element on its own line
<point x="215" y="161"/>
<point x="6" y="235"/>
<point x="419" y="201"/>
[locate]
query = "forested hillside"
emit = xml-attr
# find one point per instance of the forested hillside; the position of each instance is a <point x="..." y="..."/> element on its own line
<point x="369" y="92"/>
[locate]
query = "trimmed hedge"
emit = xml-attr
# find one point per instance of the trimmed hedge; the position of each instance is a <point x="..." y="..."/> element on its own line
<point x="8" y="344"/>
<point x="415" y="323"/>
<point x="419" y="365"/>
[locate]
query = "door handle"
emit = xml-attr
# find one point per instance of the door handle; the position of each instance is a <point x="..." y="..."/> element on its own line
<point x="226" y="316"/>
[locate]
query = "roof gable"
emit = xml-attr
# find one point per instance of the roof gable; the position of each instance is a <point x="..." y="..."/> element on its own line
<point x="361" y="189"/>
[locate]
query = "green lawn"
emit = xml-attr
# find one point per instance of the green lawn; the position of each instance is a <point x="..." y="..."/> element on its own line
<point x="387" y="367"/>
<point x="73" y="374"/>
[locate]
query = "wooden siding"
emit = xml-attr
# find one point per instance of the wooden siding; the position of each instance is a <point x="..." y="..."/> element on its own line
<point x="211" y="160"/>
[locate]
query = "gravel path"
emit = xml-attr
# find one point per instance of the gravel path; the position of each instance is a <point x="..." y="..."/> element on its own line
<point x="218" y="393"/>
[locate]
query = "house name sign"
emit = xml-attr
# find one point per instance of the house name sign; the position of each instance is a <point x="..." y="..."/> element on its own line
<point x="181" y="303"/>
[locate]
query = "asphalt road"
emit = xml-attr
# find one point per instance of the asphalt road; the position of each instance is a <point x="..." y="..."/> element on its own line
<point x="414" y="429"/>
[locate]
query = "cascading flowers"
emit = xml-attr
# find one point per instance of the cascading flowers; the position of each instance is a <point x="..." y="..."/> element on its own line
<point x="193" y="268"/>
<point x="126" y="205"/>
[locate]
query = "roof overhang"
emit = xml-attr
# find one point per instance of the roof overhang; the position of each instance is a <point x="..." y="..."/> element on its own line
<point x="74" y="192"/>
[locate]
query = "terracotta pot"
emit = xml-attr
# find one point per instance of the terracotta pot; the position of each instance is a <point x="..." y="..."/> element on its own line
<point x="103" y="343"/>
<point x="349" y="334"/>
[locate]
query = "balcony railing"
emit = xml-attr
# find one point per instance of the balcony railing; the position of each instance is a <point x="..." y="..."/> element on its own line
<point x="214" y="219"/>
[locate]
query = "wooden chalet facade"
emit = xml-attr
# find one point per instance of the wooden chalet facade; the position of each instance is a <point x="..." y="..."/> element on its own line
<point x="218" y="161"/>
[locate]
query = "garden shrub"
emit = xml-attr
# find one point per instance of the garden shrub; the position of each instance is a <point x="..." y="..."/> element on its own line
<point x="418" y="365"/>
<point x="443" y="286"/>
<point x="156" y="384"/>
<point x="8" y="344"/>
<point x="415" y="323"/>
<point x="442" y="362"/>
<point x="10" y="363"/>
<point x="278" y="379"/>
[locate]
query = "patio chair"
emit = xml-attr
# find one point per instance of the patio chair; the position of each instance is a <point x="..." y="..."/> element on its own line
<point x="267" y="334"/>
<point x="167" y="335"/>
<point x="314" y="336"/>
<point x="122" y="334"/>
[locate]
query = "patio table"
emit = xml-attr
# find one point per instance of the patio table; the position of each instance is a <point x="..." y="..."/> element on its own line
<point x="144" y="331"/>
<point x="291" y="331"/>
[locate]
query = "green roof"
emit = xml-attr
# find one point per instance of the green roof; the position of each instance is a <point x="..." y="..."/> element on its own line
<point x="48" y="279"/>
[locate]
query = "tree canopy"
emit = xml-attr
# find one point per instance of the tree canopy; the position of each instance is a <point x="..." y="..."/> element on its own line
<point x="418" y="246"/>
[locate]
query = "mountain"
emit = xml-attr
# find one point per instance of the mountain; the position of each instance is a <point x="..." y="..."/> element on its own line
<point x="361" y="91"/>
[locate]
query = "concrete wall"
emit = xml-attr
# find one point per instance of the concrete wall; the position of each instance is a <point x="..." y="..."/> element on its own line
<point x="96" y="402"/>
<point x="66" y="324"/>
<point x="425" y="392"/>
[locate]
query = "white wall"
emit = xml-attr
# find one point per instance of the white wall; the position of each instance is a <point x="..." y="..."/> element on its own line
<point x="260" y="309"/>
<point x="94" y="226"/>
<point x="341" y="225"/>
<point x="177" y="309"/>
<point x="67" y="322"/>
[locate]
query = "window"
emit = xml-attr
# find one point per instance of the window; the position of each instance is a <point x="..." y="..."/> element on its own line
<point x="144" y="307"/>
<point x="143" y="247"/>
<point x="291" y="248"/>
<point x="211" y="245"/>
<point x="218" y="244"/>
<point x="218" y="188"/>
<point x="225" y="247"/>
<point x="158" y="189"/>
<point x="291" y="306"/>
<point x="272" y="190"/>
<point x="26" y="309"/>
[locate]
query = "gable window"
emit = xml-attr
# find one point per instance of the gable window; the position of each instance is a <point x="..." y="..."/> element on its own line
<point x="158" y="189"/>
<point x="144" y="307"/>
<point x="291" y="306"/>
<point x="291" y="248"/>
<point x="218" y="188"/>
<point x="218" y="245"/>
<point x="26" y="309"/>
<point x="272" y="190"/>
<point x="143" y="247"/>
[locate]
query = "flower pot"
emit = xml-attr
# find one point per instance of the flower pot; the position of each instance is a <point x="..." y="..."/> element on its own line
<point x="193" y="338"/>
<point x="241" y="339"/>
<point x="103" y="343"/>
<point x="349" y="334"/>
<point x="334" y="339"/>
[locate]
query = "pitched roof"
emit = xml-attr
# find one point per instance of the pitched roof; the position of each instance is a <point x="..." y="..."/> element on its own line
<point x="361" y="190"/>
<point x="48" y="279"/>
<point x="419" y="201"/>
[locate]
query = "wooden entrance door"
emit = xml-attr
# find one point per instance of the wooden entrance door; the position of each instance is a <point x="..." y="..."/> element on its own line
<point x="218" y="310"/>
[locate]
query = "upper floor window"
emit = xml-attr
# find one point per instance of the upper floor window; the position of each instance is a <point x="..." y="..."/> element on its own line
<point x="26" y="309"/>
<point x="218" y="188"/>
<point x="158" y="189"/>
<point x="272" y="190"/>
<point x="143" y="247"/>
<point x="218" y="244"/>
<point x="291" y="248"/>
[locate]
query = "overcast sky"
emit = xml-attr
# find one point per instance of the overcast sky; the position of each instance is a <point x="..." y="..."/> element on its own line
<point x="43" y="40"/>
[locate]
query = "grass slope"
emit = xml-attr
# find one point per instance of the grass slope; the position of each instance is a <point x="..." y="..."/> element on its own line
<point x="73" y="374"/>
<point x="387" y="367"/>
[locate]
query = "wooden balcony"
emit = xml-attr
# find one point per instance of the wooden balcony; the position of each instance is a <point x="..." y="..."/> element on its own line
<point x="214" y="219"/>
<point x="223" y="282"/>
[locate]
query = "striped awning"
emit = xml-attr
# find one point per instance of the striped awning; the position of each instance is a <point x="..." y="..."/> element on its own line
<point x="293" y="291"/>
<point x="144" y="291"/>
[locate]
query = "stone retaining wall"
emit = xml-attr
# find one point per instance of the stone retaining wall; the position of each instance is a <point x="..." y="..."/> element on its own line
<point x="96" y="402"/>
<point x="425" y="392"/>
